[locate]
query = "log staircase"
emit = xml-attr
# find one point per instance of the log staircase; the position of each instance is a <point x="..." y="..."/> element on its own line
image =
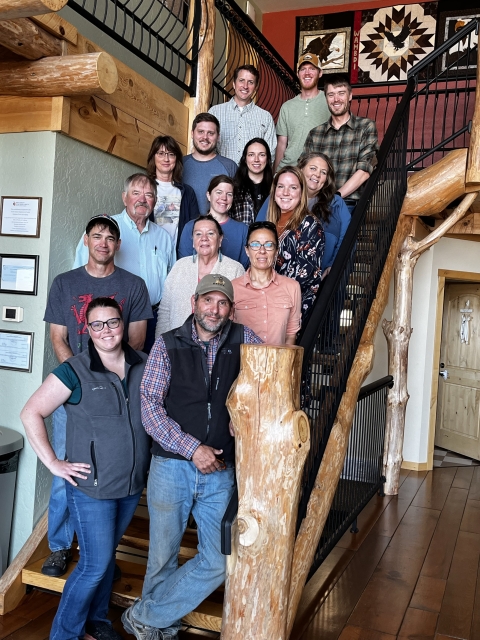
<point x="348" y="294"/>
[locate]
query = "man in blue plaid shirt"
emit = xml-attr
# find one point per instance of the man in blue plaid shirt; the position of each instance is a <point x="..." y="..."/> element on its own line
<point x="349" y="141"/>
<point x="184" y="388"/>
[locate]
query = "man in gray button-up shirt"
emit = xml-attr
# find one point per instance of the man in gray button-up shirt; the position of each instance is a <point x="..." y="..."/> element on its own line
<point x="240" y="118"/>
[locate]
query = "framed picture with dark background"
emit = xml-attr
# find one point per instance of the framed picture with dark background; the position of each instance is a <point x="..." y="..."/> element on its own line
<point x="329" y="37"/>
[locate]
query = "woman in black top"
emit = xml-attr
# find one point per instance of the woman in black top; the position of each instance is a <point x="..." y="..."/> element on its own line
<point x="252" y="181"/>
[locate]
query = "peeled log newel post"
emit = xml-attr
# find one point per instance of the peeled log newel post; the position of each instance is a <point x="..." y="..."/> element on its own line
<point x="272" y="442"/>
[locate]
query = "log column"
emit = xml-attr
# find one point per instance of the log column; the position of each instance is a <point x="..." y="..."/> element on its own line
<point x="10" y="9"/>
<point x="272" y="442"/>
<point x="473" y="164"/>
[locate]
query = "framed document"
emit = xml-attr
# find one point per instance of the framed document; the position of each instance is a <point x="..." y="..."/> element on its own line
<point x="16" y="350"/>
<point x="20" y="216"/>
<point x="18" y="274"/>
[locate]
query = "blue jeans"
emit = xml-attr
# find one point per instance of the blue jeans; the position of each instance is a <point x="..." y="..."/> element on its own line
<point x="176" y="488"/>
<point x="99" y="525"/>
<point x="60" y="528"/>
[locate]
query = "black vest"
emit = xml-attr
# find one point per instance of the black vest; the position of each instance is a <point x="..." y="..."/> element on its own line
<point x="194" y="401"/>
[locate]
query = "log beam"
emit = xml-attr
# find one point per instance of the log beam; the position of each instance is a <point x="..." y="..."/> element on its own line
<point x="11" y="9"/>
<point x="472" y="179"/>
<point x="271" y="444"/>
<point x="90" y="73"/>
<point x="24" y="37"/>
<point x="431" y="190"/>
<point x="205" y="58"/>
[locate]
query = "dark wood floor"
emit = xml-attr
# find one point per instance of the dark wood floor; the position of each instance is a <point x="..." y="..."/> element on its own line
<point x="410" y="572"/>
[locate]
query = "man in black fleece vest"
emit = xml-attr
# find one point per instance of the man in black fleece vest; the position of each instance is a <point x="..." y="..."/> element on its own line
<point x="184" y="388"/>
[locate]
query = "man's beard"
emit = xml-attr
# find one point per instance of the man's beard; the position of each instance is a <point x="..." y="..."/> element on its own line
<point x="345" y="109"/>
<point x="204" y="152"/>
<point x="209" y="324"/>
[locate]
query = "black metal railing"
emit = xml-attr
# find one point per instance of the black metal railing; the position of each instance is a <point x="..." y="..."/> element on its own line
<point x="333" y="331"/>
<point x="362" y="471"/>
<point x="243" y="43"/>
<point x="166" y="35"/>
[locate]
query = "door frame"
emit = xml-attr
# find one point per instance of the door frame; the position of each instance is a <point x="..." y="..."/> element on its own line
<point x="445" y="276"/>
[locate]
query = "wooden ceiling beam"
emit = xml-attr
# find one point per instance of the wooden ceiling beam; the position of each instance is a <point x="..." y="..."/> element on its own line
<point x="90" y="73"/>
<point x="12" y="9"/>
<point x="27" y="39"/>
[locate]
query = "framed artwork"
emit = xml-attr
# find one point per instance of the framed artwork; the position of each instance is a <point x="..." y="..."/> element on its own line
<point x="18" y="274"/>
<point x="464" y="53"/>
<point x="332" y="46"/>
<point x="20" y="216"/>
<point x="16" y="350"/>
<point x="393" y="39"/>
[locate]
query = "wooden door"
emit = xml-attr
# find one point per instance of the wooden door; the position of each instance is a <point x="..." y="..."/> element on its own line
<point x="458" y="409"/>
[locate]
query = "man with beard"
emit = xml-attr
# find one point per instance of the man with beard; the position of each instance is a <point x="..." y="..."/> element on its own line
<point x="300" y="114"/>
<point x="350" y="142"/>
<point x="204" y="163"/>
<point x="147" y="250"/>
<point x="184" y="388"/>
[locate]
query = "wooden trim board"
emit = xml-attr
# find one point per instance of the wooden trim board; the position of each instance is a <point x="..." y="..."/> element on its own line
<point x="416" y="466"/>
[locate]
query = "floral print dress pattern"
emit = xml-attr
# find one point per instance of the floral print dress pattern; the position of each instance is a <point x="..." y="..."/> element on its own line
<point x="300" y="257"/>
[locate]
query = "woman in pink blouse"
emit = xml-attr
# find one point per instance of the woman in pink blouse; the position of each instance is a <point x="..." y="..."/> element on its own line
<point x="265" y="301"/>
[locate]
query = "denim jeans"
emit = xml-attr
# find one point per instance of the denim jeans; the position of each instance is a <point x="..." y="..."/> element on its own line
<point x="99" y="525"/>
<point x="176" y="488"/>
<point x="60" y="528"/>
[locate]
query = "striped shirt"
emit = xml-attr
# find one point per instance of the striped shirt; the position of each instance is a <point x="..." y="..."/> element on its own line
<point x="239" y="125"/>
<point x="351" y="147"/>
<point x="154" y="389"/>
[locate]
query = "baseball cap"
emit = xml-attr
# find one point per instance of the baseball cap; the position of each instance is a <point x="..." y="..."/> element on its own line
<point x="101" y="217"/>
<point x="215" y="282"/>
<point x="312" y="58"/>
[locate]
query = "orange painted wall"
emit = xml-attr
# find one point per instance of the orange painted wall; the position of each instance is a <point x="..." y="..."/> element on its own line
<point x="279" y="28"/>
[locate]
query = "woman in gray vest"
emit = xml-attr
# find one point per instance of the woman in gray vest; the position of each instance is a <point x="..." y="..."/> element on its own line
<point x="108" y="453"/>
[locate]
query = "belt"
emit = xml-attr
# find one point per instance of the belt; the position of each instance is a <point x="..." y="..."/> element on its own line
<point x="155" y="306"/>
<point x="350" y="201"/>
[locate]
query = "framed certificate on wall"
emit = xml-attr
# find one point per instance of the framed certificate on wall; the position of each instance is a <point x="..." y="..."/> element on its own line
<point x="16" y="350"/>
<point x="20" y="216"/>
<point x="18" y="274"/>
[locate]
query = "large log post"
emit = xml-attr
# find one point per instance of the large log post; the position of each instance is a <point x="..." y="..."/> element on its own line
<point x="205" y="58"/>
<point x="272" y="442"/>
<point x="322" y="495"/>
<point x="62" y="76"/>
<point x="472" y="179"/>
<point x="11" y="9"/>
<point x="398" y="332"/>
<point x="432" y="189"/>
<point x="24" y="37"/>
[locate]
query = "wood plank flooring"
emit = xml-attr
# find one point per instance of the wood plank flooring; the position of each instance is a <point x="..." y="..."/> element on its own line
<point x="412" y="571"/>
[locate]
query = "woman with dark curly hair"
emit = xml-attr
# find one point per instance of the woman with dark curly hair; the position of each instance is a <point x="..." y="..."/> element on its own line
<point x="252" y="181"/>
<point x="176" y="202"/>
<point x="325" y="203"/>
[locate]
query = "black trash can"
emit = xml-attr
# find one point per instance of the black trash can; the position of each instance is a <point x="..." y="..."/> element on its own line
<point x="10" y="444"/>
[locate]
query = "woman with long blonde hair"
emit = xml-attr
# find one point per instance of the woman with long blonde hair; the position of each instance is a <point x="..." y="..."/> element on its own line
<point x="300" y="234"/>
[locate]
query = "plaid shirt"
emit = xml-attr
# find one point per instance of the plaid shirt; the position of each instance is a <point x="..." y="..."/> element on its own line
<point x="350" y="148"/>
<point x="243" y="209"/>
<point x="154" y="389"/>
<point x="239" y="127"/>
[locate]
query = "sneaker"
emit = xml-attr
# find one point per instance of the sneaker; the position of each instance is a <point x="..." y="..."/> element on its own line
<point x="102" y="631"/>
<point x="139" y="630"/>
<point x="57" y="562"/>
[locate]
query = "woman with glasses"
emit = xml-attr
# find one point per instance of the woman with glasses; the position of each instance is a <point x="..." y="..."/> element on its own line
<point x="252" y="181"/>
<point x="176" y="202"/>
<point x="186" y="273"/>
<point x="300" y="234"/>
<point x="107" y="458"/>
<point x="268" y="303"/>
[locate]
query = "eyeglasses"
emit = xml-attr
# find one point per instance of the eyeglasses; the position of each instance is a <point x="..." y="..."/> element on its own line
<point x="166" y="154"/>
<point x="268" y="246"/>
<point x="112" y="323"/>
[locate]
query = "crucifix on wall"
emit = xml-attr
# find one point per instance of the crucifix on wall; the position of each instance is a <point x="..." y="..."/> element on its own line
<point x="466" y="318"/>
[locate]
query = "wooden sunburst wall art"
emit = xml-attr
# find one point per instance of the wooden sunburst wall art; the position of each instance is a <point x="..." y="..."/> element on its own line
<point x="393" y="39"/>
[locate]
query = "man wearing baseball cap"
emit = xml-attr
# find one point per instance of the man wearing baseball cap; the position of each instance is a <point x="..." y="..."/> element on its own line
<point x="184" y="388"/>
<point x="68" y="299"/>
<point x="302" y="113"/>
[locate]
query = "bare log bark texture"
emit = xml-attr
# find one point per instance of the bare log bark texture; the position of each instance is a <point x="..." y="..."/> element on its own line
<point x="90" y="73"/>
<point x="398" y="332"/>
<point x="432" y="189"/>
<point x="472" y="179"/>
<point x="272" y="442"/>
<point x="24" y="37"/>
<point x="331" y="466"/>
<point x="11" y="9"/>
<point x="205" y="58"/>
